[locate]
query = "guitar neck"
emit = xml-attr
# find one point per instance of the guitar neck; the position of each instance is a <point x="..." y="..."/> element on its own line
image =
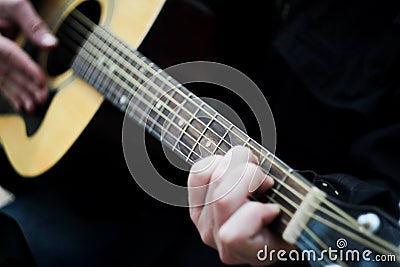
<point x="180" y="120"/>
<point x="194" y="130"/>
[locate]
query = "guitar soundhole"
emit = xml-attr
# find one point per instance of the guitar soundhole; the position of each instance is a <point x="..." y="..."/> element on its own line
<point x="71" y="34"/>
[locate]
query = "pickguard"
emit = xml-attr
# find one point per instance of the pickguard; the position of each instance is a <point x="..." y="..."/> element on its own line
<point x="33" y="120"/>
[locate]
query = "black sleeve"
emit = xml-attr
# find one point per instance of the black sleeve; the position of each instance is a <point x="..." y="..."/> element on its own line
<point x="377" y="153"/>
<point x="14" y="250"/>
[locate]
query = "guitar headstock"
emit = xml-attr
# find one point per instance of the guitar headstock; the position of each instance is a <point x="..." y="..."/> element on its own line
<point x="342" y="234"/>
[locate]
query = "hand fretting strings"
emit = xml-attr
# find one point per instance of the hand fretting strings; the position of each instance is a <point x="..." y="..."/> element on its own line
<point x="81" y="21"/>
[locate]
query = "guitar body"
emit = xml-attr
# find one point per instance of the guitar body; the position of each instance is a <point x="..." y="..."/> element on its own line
<point x="74" y="102"/>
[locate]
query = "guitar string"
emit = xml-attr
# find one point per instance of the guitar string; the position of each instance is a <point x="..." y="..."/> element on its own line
<point x="323" y="210"/>
<point x="155" y="122"/>
<point x="352" y="222"/>
<point x="297" y="192"/>
<point x="328" y="214"/>
<point x="284" y="211"/>
<point x="156" y="85"/>
<point x="138" y="85"/>
<point x="339" y="211"/>
<point x="319" y="242"/>
<point x="142" y="113"/>
<point x="287" y="212"/>
<point x="173" y="100"/>
<point x="171" y="122"/>
<point x="313" y="246"/>
<point x="336" y="227"/>
<point x="91" y="24"/>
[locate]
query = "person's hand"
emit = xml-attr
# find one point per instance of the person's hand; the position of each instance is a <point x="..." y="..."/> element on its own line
<point x="22" y="82"/>
<point x="226" y="219"/>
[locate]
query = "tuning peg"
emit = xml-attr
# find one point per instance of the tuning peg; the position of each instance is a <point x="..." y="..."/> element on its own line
<point x="369" y="221"/>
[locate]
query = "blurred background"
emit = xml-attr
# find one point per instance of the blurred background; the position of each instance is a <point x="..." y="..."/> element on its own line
<point x="88" y="211"/>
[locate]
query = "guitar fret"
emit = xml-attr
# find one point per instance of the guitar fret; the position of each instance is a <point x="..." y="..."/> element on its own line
<point x="89" y="71"/>
<point x="92" y="69"/>
<point x="78" y="64"/>
<point x="188" y="123"/>
<point x="174" y="113"/>
<point x="131" y="112"/>
<point x="248" y="140"/>
<point x="160" y="111"/>
<point x="201" y="135"/>
<point x="177" y="112"/>
<point x="222" y="140"/>
<point x="98" y="82"/>
<point x="104" y="47"/>
<point x="166" y="141"/>
<point x="278" y="187"/>
<point x="263" y="161"/>
<point x="108" y="46"/>
<point x="142" y="93"/>
<point x="176" y="120"/>
<point x="264" y="158"/>
<point x="178" y="140"/>
<point x="117" y="95"/>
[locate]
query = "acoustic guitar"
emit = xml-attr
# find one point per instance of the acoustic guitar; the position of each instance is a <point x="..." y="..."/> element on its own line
<point x="97" y="59"/>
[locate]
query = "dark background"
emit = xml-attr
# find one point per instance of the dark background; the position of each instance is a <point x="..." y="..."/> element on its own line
<point x="88" y="211"/>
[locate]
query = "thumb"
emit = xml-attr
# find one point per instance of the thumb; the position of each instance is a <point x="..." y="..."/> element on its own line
<point x="32" y="25"/>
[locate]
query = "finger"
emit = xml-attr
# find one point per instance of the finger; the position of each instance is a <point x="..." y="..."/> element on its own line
<point x="198" y="185"/>
<point x="12" y="98"/>
<point x="198" y="181"/>
<point x="206" y="226"/>
<point x="38" y="94"/>
<point x="201" y="171"/>
<point x="245" y="233"/>
<point x="23" y="13"/>
<point x="19" y="97"/>
<point x="13" y="56"/>
<point x="5" y="24"/>
<point x="234" y="157"/>
<point x="233" y="195"/>
<point x="8" y="95"/>
<point x="246" y="223"/>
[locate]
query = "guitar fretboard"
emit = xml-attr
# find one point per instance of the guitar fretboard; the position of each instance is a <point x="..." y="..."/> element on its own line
<point x="185" y="123"/>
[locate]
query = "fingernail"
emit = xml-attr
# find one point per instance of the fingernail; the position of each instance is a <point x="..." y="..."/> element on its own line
<point x="48" y="39"/>
<point x="41" y="96"/>
<point x="275" y="208"/>
<point x="270" y="180"/>
<point x="28" y="105"/>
